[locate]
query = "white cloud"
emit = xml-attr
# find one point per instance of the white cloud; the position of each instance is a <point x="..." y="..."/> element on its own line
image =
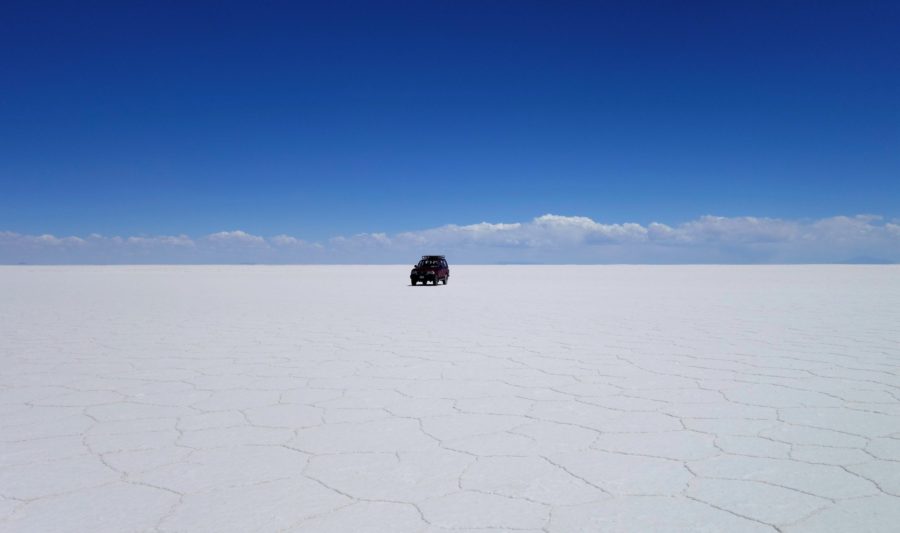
<point x="735" y="230"/>
<point x="583" y="228"/>
<point x="57" y="241"/>
<point x="558" y="238"/>
<point x="39" y="240"/>
<point x="164" y="240"/>
<point x="548" y="238"/>
<point x="893" y="229"/>
<point x="285" y="240"/>
<point x="291" y="243"/>
<point x="367" y="240"/>
<point x="236" y="236"/>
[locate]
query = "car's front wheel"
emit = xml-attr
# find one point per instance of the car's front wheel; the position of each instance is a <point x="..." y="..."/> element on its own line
<point x="413" y="281"/>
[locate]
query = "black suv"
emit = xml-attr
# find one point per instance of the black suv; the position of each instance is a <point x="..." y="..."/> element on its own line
<point x="431" y="268"/>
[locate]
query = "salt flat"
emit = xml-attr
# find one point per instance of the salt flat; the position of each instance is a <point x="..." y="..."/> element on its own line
<point x="520" y="398"/>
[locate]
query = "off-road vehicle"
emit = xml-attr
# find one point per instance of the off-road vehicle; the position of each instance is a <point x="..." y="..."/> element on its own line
<point x="431" y="268"/>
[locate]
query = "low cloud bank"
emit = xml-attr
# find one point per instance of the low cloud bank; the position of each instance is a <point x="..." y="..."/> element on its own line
<point x="545" y="239"/>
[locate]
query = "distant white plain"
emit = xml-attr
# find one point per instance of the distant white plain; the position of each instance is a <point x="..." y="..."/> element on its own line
<point x="521" y="398"/>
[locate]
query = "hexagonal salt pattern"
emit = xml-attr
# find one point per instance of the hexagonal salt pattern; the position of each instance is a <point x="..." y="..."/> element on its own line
<point x="551" y="399"/>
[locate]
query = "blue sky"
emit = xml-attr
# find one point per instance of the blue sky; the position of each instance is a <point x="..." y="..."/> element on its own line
<point x="324" y="121"/>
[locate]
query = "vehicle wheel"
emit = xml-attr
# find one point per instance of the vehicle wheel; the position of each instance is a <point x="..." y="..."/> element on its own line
<point x="445" y="280"/>
<point x="412" y="281"/>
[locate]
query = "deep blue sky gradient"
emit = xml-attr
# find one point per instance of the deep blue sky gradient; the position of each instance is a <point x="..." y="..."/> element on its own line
<point x="319" y="119"/>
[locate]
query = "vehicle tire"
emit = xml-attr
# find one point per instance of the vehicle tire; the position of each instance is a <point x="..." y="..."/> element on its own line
<point x="413" y="282"/>
<point x="446" y="280"/>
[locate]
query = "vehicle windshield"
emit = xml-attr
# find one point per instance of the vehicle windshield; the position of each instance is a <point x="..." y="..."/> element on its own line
<point x="429" y="263"/>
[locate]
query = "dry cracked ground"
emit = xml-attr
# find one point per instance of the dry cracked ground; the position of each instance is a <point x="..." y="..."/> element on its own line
<point x="527" y="398"/>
